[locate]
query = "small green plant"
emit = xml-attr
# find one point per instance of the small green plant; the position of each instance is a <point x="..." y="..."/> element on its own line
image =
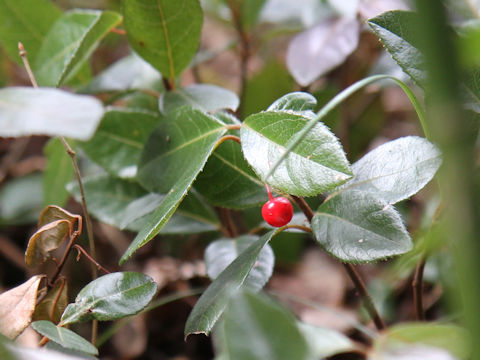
<point x="170" y="160"/>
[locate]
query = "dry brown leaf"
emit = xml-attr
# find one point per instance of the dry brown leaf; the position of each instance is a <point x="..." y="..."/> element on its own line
<point x="53" y="304"/>
<point x="53" y="213"/>
<point x="17" y="306"/>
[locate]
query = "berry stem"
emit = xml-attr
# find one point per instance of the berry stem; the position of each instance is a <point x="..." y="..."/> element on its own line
<point x="269" y="192"/>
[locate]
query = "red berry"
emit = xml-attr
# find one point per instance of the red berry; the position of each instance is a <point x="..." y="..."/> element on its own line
<point x="277" y="211"/>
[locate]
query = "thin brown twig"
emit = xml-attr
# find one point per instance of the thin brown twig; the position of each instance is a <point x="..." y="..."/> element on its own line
<point x="61" y="264"/>
<point x="417" y="285"/>
<point x="351" y="271"/>
<point x="91" y="259"/>
<point x="57" y="298"/>
<point x="72" y="154"/>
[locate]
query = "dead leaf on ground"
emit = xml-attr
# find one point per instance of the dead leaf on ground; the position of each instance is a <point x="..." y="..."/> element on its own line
<point x="17" y="306"/>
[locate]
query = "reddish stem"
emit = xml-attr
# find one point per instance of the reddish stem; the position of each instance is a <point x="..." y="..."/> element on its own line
<point x="269" y="192"/>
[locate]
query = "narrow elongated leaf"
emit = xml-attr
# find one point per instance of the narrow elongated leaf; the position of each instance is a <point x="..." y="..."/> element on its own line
<point x="57" y="174"/>
<point x="27" y="111"/>
<point x="26" y="21"/>
<point x="248" y="332"/>
<point x="119" y="140"/>
<point x="397" y="31"/>
<point x="165" y="33"/>
<point x="205" y="97"/>
<point x="70" y="42"/>
<point x="221" y="253"/>
<point x="213" y="301"/>
<point x="130" y="72"/>
<point x="228" y="181"/>
<point x="316" y="165"/>
<point x="396" y="170"/>
<point x="126" y="204"/>
<point x="174" y="154"/>
<point x="111" y="297"/>
<point x="65" y="337"/>
<point x="18" y="305"/>
<point x="357" y="227"/>
<point x="321" y="48"/>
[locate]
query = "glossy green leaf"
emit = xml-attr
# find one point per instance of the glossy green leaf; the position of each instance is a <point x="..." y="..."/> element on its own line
<point x="213" y="301"/>
<point x="128" y="73"/>
<point x="445" y="336"/>
<point x="221" y="253"/>
<point x="126" y="204"/>
<point x="165" y="33"/>
<point x="254" y="327"/>
<point x="26" y="21"/>
<point x="316" y="165"/>
<point x="397" y="169"/>
<point x="24" y="353"/>
<point x="65" y="337"/>
<point x="397" y="31"/>
<point x="69" y="43"/>
<point x="28" y="111"/>
<point x="228" y="181"/>
<point x="57" y="174"/>
<point x="300" y="103"/>
<point x="60" y="350"/>
<point x="111" y="297"/>
<point x="356" y="227"/>
<point x="324" y="342"/>
<point x="119" y="140"/>
<point x="205" y="97"/>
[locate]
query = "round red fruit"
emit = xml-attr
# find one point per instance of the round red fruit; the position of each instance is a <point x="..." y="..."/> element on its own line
<point x="277" y="212"/>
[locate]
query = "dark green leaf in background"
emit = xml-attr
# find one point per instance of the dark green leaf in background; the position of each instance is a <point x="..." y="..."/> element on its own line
<point x="70" y="42"/>
<point x="397" y="169"/>
<point x="316" y="165"/>
<point x="119" y="140"/>
<point x="43" y="111"/>
<point x="165" y="33"/>
<point x="205" y="97"/>
<point x="228" y="181"/>
<point x="213" y="301"/>
<point x="57" y="174"/>
<point x="254" y="327"/>
<point x="65" y="337"/>
<point x="25" y="21"/>
<point x="111" y="297"/>
<point x="356" y="227"/>
<point x="221" y="253"/>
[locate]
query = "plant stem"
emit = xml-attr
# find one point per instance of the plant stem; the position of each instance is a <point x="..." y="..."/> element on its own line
<point x="61" y="264"/>
<point x="227" y="137"/>
<point x="92" y="260"/>
<point x="88" y="221"/>
<point x="417" y="285"/>
<point x="351" y="272"/>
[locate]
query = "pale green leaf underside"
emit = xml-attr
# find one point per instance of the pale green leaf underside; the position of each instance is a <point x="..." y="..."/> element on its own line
<point x="69" y="43"/>
<point x="221" y="253"/>
<point x="315" y="165"/>
<point x="111" y="297"/>
<point x="27" y="111"/>
<point x="357" y="227"/>
<point x="65" y="337"/>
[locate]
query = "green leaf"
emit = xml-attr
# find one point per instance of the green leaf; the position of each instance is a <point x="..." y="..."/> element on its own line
<point x="213" y="301"/>
<point x="65" y="337"/>
<point x="221" y="253"/>
<point x="300" y="103"/>
<point x="70" y="42"/>
<point x="449" y="337"/>
<point x="228" y="181"/>
<point x="316" y="165"/>
<point x="397" y="31"/>
<point x="175" y="153"/>
<point x="130" y="72"/>
<point x="111" y="297"/>
<point x="24" y="353"/>
<point x="26" y="21"/>
<point x="356" y="227"/>
<point x="57" y="174"/>
<point x="126" y="204"/>
<point x="165" y="33"/>
<point x="397" y="169"/>
<point x="324" y="342"/>
<point x="27" y="111"/>
<point x="57" y="348"/>
<point x="119" y="140"/>
<point x="254" y="327"/>
<point x="205" y="97"/>
<point x="250" y="12"/>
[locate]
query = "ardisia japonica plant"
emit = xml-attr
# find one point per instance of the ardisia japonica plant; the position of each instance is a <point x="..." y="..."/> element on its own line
<point x="166" y="160"/>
